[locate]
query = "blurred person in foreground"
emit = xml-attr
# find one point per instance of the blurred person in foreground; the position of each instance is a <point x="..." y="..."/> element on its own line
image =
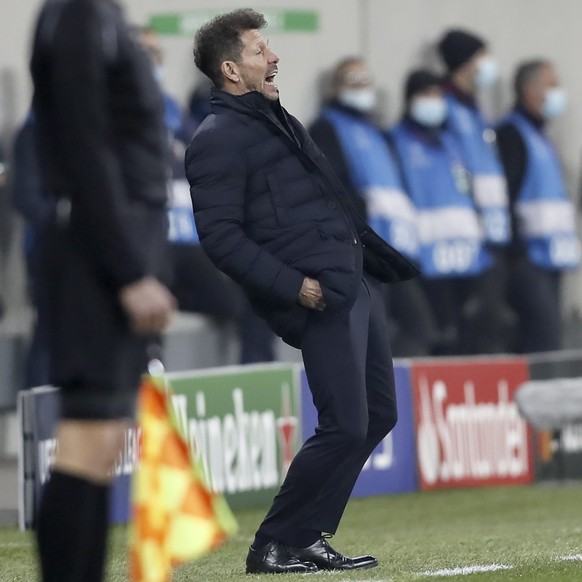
<point x="545" y="243"/>
<point x="357" y="150"/>
<point x="272" y="214"/>
<point x="452" y="253"/>
<point x="102" y="141"/>
<point x="199" y="287"/>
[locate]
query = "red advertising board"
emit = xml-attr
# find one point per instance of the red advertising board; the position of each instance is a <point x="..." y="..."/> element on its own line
<point x="468" y="430"/>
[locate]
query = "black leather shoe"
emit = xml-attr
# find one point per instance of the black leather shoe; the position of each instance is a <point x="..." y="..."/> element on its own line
<point x="326" y="558"/>
<point x="275" y="559"/>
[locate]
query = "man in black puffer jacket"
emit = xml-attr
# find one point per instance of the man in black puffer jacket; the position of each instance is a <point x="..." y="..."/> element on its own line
<point x="272" y="215"/>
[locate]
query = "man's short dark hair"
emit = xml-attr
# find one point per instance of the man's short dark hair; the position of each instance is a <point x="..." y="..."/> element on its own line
<point x="219" y="40"/>
<point x="525" y="73"/>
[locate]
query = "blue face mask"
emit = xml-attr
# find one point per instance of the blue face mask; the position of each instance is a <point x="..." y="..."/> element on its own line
<point x="554" y="102"/>
<point x="429" y="111"/>
<point x="487" y="72"/>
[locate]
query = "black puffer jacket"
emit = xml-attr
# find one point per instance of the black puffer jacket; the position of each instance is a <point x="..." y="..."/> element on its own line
<point x="269" y="211"/>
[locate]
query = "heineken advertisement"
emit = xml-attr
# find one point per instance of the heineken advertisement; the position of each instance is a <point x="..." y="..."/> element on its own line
<point x="279" y="21"/>
<point x="243" y="425"/>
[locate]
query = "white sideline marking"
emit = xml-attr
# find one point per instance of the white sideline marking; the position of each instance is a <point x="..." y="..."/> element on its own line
<point x="466" y="570"/>
<point x="573" y="558"/>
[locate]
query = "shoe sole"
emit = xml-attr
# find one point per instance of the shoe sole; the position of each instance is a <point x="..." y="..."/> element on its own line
<point x="302" y="572"/>
<point x="362" y="567"/>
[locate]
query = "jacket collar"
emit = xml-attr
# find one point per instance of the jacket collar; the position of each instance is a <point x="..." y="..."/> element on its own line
<point x="248" y="104"/>
<point x="254" y="105"/>
<point x="430" y="135"/>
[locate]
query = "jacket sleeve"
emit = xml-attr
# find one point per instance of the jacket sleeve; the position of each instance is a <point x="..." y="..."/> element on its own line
<point x="216" y="170"/>
<point x="80" y="80"/>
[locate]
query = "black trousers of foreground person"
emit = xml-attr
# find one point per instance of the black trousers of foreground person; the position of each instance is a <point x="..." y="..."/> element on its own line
<point x="348" y="363"/>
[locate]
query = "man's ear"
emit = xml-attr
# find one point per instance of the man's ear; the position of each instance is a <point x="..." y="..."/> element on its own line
<point x="230" y="71"/>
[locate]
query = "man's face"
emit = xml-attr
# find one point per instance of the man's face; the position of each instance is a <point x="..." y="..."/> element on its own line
<point x="536" y="90"/>
<point x="151" y="44"/>
<point x="257" y="66"/>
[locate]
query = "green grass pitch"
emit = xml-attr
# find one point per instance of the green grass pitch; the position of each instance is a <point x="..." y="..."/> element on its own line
<point x="533" y="532"/>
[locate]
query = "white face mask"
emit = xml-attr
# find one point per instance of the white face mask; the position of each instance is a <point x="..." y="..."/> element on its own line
<point x="363" y="100"/>
<point x="555" y="102"/>
<point x="429" y="111"/>
<point x="487" y="72"/>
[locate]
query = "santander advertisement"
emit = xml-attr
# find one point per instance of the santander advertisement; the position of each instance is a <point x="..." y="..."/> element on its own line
<point x="468" y="429"/>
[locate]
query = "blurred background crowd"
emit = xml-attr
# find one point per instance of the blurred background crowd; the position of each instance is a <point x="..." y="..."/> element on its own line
<point x="460" y="155"/>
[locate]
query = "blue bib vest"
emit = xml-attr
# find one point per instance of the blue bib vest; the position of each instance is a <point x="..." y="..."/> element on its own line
<point x="181" y="225"/>
<point x="451" y="234"/>
<point x="476" y="142"/>
<point x="375" y="176"/>
<point x="545" y="214"/>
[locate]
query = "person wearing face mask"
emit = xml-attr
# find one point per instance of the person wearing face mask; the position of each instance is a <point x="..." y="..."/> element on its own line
<point x="452" y="251"/>
<point x="353" y="143"/>
<point x="545" y="242"/>
<point x="356" y="147"/>
<point x="470" y="69"/>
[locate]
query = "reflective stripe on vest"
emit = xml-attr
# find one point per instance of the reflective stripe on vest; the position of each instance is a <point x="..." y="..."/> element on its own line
<point x="375" y="176"/>
<point x="451" y="235"/>
<point x="545" y="213"/>
<point x="181" y="225"/>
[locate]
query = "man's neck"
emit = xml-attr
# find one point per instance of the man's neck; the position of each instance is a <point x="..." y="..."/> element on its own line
<point x="531" y="113"/>
<point x="463" y="83"/>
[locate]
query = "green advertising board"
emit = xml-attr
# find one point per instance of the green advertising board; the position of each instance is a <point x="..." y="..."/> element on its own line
<point x="279" y="21"/>
<point x="243" y="424"/>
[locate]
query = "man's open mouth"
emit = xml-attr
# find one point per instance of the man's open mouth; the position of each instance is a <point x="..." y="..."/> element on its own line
<point x="270" y="79"/>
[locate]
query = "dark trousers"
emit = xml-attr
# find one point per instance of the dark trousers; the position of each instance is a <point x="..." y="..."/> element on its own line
<point x="534" y="294"/>
<point x="349" y="367"/>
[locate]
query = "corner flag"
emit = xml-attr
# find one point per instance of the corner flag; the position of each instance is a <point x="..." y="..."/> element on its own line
<point x="176" y="517"/>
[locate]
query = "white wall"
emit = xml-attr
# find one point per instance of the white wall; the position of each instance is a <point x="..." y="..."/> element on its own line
<point x="393" y="34"/>
<point x="303" y="56"/>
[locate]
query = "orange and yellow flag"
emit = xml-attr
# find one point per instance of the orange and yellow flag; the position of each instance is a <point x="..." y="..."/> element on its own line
<point x="176" y="517"/>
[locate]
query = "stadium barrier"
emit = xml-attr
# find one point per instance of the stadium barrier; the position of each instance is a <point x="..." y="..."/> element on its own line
<point x="458" y="427"/>
<point x="558" y="454"/>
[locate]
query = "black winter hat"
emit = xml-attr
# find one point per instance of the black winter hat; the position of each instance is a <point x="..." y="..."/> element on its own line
<point x="419" y="80"/>
<point x="458" y="46"/>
